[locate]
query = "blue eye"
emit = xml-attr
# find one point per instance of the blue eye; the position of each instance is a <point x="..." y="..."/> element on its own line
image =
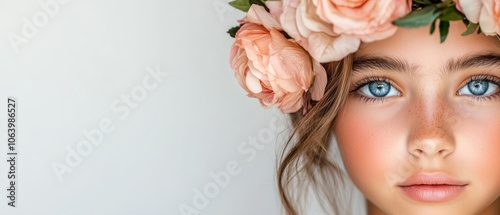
<point x="378" y="89"/>
<point x="480" y="87"/>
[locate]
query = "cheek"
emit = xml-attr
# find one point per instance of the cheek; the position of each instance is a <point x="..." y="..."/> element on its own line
<point x="366" y="140"/>
<point x="478" y="146"/>
<point x="373" y="144"/>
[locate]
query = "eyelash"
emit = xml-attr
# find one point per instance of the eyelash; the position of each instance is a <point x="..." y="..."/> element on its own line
<point x="366" y="81"/>
<point x="489" y="78"/>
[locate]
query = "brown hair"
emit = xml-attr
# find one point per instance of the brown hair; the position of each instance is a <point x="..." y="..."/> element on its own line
<point x="305" y="161"/>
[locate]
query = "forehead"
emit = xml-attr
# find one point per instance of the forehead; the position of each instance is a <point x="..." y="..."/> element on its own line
<point x="418" y="47"/>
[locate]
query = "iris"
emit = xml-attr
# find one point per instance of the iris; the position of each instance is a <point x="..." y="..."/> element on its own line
<point x="379" y="88"/>
<point x="478" y="87"/>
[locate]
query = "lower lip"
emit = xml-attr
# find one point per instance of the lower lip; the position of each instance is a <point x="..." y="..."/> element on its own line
<point x="433" y="193"/>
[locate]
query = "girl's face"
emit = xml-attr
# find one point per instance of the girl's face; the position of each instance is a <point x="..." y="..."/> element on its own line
<point x="420" y="130"/>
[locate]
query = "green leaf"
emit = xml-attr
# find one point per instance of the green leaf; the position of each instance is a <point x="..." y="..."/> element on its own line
<point x="444" y="28"/>
<point x="445" y="4"/>
<point x="233" y="30"/>
<point x="257" y="2"/>
<point x="243" y="5"/>
<point x="424" y="2"/>
<point x="471" y="27"/>
<point x="451" y="14"/>
<point x="433" y="27"/>
<point x="466" y="22"/>
<point x="418" y="18"/>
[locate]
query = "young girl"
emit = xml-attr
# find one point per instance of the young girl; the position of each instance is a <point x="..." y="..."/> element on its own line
<point x="415" y="114"/>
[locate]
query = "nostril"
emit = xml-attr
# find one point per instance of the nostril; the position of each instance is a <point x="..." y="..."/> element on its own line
<point x="442" y="151"/>
<point x="419" y="152"/>
<point x="430" y="148"/>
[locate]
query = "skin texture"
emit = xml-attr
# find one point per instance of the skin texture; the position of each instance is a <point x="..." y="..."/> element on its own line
<point x="427" y="126"/>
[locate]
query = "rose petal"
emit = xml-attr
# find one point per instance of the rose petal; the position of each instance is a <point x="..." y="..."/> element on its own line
<point x="471" y="9"/>
<point x="489" y="18"/>
<point x="275" y="9"/>
<point x="324" y="48"/>
<point x="289" y="85"/>
<point x="310" y="21"/>
<point x="258" y="15"/>
<point x="291" y="102"/>
<point x="253" y="83"/>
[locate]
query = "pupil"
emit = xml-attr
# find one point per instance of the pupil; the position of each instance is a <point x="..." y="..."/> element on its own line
<point x="379" y="88"/>
<point x="478" y="87"/>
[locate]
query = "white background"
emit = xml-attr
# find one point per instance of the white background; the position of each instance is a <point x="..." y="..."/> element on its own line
<point x="77" y="66"/>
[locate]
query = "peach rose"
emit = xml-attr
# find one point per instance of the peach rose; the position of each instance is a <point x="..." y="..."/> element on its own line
<point x="484" y="12"/>
<point x="300" y="21"/>
<point x="368" y="20"/>
<point x="272" y="68"/>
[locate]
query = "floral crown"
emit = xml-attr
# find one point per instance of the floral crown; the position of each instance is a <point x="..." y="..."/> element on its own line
<point x="280" y="44"/>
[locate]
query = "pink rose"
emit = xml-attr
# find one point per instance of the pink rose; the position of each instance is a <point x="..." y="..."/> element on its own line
<point x="300" y="21"/>
<point x="484" y="12"/>
<point x="272" y="68"/>
<point x="368" y="20"/>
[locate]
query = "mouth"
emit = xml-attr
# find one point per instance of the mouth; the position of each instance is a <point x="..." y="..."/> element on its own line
<point x="432" y="187"/>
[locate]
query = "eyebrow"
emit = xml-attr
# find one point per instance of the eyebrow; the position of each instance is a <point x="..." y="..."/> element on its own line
<point x="365" y="63"/>
<point x="481" y="60"/>
<point x="382" y="63"/>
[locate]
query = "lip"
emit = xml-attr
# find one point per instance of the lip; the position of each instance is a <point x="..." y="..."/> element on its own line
<point x="432" y="187"/>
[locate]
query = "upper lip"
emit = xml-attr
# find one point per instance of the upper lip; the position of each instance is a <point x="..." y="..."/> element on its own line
<point x="431" y="179"/>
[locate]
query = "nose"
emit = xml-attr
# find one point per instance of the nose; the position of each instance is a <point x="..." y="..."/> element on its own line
<point x="430" y="134"/>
